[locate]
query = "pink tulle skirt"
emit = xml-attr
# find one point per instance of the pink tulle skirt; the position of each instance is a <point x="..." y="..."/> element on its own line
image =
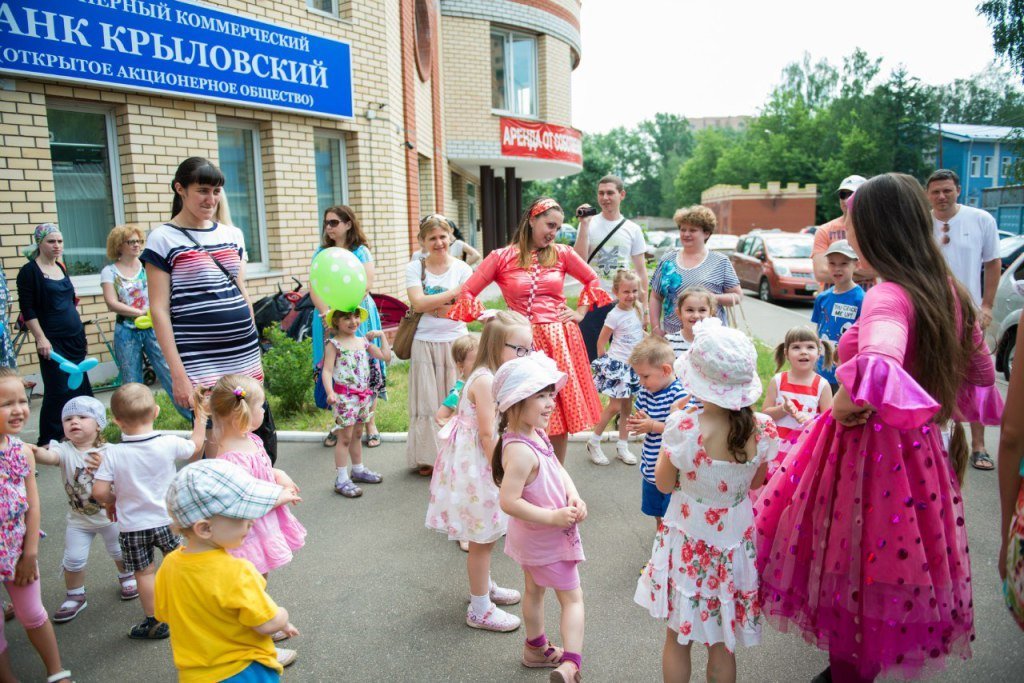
<point x="862" y="547"/>
<point x="272" y="540"/>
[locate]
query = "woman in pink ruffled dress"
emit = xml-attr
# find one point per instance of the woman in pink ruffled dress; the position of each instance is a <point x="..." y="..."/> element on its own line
<point x="861" y="539"/>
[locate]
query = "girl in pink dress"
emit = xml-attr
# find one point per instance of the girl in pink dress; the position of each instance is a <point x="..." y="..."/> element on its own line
<point x="544" y="509"/>
<point x="861" y="540"/>
<point x="531" y="274"/>
<point x="236" y="405"/>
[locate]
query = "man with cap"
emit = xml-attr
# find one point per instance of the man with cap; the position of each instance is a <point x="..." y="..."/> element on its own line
<point x="969" y="240"/>
<point x="220" y="616"/>
<point x="835" y="230"/>
<point x="838" y="307"/>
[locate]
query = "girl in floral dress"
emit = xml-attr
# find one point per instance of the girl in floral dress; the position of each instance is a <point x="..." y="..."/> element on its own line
<point x="346" y="377"/>
<point x="701" y="578"/>
<point x="463" y="495"/>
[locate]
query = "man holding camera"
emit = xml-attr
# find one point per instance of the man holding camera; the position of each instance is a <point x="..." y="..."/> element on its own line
<point x="609" y="243"/>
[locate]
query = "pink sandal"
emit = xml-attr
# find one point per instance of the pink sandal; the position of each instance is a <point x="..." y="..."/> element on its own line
<point x="566" y="673"/>
<point x="544" y="656"/>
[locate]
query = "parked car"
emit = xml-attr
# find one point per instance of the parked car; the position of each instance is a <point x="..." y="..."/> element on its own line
<point x="1009" y="249"/>
<point x="777" y="265"/>
<point x="723" y="243"/>
<point x="1006" y="310"/>
<point x="659" y="242"/>
<point x="566" y="235"/>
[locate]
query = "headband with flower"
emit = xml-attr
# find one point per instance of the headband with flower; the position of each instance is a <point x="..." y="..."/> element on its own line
<point x="543" y="205"/>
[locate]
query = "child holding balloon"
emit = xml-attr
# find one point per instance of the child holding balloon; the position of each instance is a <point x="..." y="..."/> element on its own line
<point x="346" y="378"/>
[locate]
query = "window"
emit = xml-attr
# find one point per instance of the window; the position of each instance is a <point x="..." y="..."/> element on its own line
<point x="990" y="167"/>
<point x="1006" y="168"/>
<point x="84" y="170"/>
<point x="514" y="73"/>
<point x="331" y="171"/>
<point x="328" y="6"/>
<point x="975" y="166"/>
<point x="239" y="147"/>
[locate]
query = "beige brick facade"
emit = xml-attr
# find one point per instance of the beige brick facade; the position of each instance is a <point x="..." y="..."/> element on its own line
<point x="153" y="133"/>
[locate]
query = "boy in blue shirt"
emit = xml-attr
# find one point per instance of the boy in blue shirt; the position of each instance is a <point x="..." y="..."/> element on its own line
<point x="838" y="307"/>
<point x="652" y="360"/>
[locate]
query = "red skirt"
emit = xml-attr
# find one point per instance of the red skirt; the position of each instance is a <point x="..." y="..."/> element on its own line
<point x="578" y="407"/>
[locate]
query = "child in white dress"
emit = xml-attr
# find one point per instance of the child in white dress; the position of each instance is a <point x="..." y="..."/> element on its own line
<point x="702" y="578"/>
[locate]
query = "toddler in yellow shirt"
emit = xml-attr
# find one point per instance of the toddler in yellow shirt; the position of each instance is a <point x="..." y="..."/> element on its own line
<point x="220" y="615"/>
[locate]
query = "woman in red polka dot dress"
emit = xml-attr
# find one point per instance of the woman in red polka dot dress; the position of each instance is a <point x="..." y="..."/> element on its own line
<point x="531" y="274"/>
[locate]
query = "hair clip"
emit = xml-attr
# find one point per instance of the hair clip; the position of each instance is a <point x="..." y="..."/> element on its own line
<point x="239" y="393"/>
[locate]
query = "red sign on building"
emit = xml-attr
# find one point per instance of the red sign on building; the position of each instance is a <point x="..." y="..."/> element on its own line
<point x="541" y="141"/>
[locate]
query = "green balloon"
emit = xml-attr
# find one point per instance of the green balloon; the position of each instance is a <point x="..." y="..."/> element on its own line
<point x="338" y="277"/>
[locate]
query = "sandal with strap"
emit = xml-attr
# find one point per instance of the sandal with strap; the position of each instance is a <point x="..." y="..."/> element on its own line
<point x="980" y="460"/>
<point x="348" y="489"/>
<point x="373" y="440"/>
<point x="544" y="656"/>
<point x="64" y="675"/>
<point x="331" y="440"/>
<point x="566" y="673"/>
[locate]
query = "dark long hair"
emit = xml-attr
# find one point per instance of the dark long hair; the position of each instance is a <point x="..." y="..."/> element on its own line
<point x="354" y="236"/>
<point x="194" y="171"/>
<point x="893" y="229"/>
<point x="741" y="428"/>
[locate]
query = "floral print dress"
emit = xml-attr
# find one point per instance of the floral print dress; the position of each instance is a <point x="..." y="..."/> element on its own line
<point x="463" y="496"/>
<point x="702" y="575"/>
<point x="351" y="377"/>
<point x="13" y="505"/>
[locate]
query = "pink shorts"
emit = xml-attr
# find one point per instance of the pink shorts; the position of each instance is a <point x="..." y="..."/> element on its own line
<point x="562" y="576"/>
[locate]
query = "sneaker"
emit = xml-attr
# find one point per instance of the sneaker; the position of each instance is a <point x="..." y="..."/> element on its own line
<point x="70" y="608"/>
<point x="150" y="629"/>
<point x="496" y="619"/>
<point x="129" y="588"/>
<point x="623" y="453"/>
<point x="367" y="477"/>
<point x="597" y="456"/>
<point x="347" y="488"/>
<point x="544" y="656"/>
<point x="504" y="596"/>
<point x="286" y="657"/>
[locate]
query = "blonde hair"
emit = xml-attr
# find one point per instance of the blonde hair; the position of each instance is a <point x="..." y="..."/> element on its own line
<point x="133" y="403"/>
<point x="653" y="351"/>
<point x="119" y="235"/>
<point x="463" y="346"/>
<point x="431" y="223"/>
<point x="802" y="333"/>
<point x="623" y="275"/>
<point x="495" y="334"/>
<point x="699" y="292"/>
<point x="699" y="217"/>
<point x="233" y="400"/>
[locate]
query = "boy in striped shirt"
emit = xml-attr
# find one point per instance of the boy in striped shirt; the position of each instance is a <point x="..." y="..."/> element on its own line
<point x="652" y="361"/>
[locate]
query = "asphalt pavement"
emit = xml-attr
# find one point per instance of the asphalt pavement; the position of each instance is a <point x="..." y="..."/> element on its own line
<point x="379" y="597"/>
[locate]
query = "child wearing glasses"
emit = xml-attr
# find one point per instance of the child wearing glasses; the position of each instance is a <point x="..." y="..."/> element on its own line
<point x="463" y="495"/>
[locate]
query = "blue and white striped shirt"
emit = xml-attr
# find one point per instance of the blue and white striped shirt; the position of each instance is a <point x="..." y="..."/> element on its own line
<point x="656" y="405"/>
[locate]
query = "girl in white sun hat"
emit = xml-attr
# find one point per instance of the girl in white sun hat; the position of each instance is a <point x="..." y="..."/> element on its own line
<point x="702" y="578"/>
<point x="544" y="508"/>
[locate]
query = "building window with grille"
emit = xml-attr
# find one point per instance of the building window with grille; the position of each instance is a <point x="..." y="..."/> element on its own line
<point x="85" y="168"/>
<point x="514" y="72"/>
<point x="975" y="166"/>
<point x="331" y="172"/>
<point x="238" y="144"/>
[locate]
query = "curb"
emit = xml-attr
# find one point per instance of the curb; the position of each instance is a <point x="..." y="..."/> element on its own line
<point x="395" y="437"/>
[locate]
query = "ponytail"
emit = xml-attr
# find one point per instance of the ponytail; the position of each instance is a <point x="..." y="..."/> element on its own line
<point x="741" y="428"/>
<point x="780" y="356"/>
<point x="829" y="355"/>
<point x="233" y="398"/>
<point x="497" y="467"/>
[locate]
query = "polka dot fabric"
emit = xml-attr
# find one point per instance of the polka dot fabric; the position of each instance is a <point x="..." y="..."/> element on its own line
<point x="578" y="407"/>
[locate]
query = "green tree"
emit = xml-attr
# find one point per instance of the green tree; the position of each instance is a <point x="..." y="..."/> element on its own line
<point x="1006" y="17"/>
<point x="697" y="173"/>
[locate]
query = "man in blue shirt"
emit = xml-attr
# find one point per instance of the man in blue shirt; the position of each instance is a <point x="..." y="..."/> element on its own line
<point x="837" y="308"/>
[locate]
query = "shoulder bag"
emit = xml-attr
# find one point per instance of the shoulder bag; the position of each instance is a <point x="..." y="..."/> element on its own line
<point x="410" y="321"/>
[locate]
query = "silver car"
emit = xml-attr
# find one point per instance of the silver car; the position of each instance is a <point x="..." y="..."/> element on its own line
<point x="1006" y="311"/>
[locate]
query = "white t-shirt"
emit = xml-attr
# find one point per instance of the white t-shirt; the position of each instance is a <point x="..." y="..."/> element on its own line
<point x="678" y="342"/>
<point x="85" y="512"/>
<point x="431" y="327"/>
<point x="142" y="468"/>
<point x="617" y="252"/>
<point x="627" y="332"/>
<point x="973" y="242"/>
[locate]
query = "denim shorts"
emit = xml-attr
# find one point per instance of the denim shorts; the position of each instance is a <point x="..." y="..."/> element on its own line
<point x="653" y="502"/>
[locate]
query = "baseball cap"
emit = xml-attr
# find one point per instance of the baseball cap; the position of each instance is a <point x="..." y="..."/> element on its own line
<point x="208" y="488"/>
<point x="841" y="247"/>
<point x="851" y="183"/>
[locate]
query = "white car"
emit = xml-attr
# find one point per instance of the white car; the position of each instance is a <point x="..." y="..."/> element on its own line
<point x="1006" y="311"/>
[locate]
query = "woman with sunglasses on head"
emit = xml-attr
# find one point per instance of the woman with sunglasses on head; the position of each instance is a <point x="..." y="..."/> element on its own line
<point x="531" y="274"/>
<point x="340" y="228"/>
<point x="127" y="296"/>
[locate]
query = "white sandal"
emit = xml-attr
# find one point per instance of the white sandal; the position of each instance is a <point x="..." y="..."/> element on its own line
<point x="59" y="676"/>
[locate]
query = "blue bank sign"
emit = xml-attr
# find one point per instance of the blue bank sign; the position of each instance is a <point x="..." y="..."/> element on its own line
<point x="177" y="47"/>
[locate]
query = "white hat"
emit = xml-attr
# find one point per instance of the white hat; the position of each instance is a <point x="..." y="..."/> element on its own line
<point x="851" y="183"/>
<point x="721" y="366"/>
<point x="841" y="247"/>
<point x="85" y="406"/>
<point x="521" y="378"/>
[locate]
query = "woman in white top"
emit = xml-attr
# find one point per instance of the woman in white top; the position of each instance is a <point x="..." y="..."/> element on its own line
<point x="127" y="296"/>
<point x="432" y="284"/>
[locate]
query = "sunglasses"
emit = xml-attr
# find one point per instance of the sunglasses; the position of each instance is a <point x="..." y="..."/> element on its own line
<point x="332" y="223"/>
<point x="945" y="233"/>
<point x="845" y="194"/>
<point x="521" y="351"/>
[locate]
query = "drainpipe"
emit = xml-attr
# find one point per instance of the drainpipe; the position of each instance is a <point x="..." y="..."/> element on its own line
<point x="412" y="178"/>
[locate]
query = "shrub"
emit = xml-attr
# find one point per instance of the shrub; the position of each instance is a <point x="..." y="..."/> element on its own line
<point x="288" y="372"/>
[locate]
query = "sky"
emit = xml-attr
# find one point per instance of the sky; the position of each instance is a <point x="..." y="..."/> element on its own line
<point x="722" y="58"/>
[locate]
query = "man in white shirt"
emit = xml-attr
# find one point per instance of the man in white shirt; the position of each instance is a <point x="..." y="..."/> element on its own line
<point x="969" y="239"/>
<point x="624" y="249"/>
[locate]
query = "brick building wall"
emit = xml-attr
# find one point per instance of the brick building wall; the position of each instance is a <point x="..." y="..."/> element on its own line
<point x="740" y="210"/>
